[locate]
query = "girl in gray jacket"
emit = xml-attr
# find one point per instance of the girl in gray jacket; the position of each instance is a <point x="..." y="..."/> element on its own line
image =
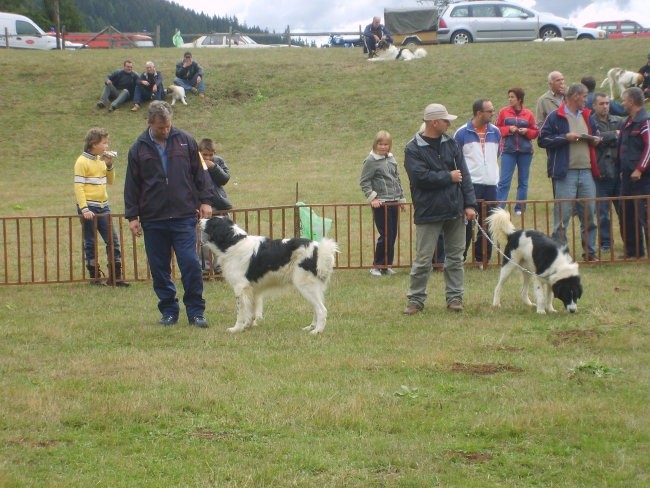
<point x="381" y="185"/>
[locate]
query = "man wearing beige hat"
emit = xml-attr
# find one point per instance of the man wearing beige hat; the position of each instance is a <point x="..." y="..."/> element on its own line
<point x="443" y="200"/>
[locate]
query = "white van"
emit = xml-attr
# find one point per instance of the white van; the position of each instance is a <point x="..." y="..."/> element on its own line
<point x="23" y="33"/>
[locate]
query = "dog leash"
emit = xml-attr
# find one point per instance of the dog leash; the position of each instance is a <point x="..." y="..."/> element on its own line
<point x="494" y="245"/>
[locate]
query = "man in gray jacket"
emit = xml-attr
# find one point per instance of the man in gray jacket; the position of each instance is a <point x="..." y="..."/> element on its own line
<point x="443" y="200"/>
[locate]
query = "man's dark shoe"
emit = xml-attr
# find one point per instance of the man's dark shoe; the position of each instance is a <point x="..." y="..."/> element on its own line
<point x="412" y="309"/>
<point x="168" y="320"/>
<point x="199" y="321"/>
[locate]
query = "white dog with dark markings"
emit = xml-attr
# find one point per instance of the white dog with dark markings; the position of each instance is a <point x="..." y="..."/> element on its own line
<point x="621" y="79"/>
<point x="256" y="265"/>
<point x="531" y="251"/>
<point x="392" y="53"/>
<point x="177" y="93"/>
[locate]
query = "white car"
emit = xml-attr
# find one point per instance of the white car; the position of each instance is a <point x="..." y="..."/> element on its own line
<point x="224" y="40"/>
<point x="486" y="21"/>
<point x="590" y="33"/>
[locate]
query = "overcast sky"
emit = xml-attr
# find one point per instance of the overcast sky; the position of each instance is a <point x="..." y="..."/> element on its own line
<point x="346" y="15"/>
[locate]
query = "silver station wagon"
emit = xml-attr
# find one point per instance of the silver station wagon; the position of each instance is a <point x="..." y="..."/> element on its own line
<point x="484" y="21"/>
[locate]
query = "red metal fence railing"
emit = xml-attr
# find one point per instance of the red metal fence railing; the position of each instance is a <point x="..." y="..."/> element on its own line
<point x="49" y="249"/>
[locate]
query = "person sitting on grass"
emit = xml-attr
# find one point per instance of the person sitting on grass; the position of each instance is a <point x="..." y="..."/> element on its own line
<point x="148" y="87"/>
<point x="189" y="75"/>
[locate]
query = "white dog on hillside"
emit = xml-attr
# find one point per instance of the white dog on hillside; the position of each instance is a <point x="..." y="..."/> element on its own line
<point x="622" y="79"/>
<point x="177" y="93"/>
<point x="392" y="53"/>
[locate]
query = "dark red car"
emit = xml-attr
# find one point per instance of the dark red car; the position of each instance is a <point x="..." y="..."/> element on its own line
<point x="618" y="29"/>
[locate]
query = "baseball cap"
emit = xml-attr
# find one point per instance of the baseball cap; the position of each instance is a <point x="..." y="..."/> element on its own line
<point x="435" y="111"/>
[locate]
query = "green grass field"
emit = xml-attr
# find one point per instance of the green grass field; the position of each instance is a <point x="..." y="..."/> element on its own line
<point x="95" y="394"/>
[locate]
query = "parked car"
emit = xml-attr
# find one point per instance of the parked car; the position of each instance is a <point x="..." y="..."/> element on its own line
<point x="465" y="22"/>
<point x="340" y="41"/>
<point x="25" y="34"/>
<point x="618" y="29"/>
<point x="225" y="40"/>
<point x="591" y="33"/>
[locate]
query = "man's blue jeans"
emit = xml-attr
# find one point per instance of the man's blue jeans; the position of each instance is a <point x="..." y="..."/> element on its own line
<point x="607" y="187"/>
<point x="160" y="237"/>
<point x="578" y="183"/>
<point x="189" y="84"/>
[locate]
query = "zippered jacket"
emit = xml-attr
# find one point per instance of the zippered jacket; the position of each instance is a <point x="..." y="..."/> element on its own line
<point x="552" y="137"/>
<point x="634" y="143"/>
<point x="380" y="179"/>
<point x="516" y="143"/>
<point x="435" y="197"/>
<point x="482" y="162"/>
<point x="151" y="194"/>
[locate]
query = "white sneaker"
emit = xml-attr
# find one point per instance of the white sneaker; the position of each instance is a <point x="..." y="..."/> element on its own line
<point x="517" y="212"/>
<point x="388" y="271"/>
<point x="375" y="272"/>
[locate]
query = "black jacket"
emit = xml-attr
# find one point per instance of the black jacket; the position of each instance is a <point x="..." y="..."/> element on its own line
<point x="190" y="72"/>
<point x="220" y="175"/>
<point x="435" y="197"/>
<point x="634" y="143"/>
<point x="123" y="80"/>
<point x="607" y="150"/>
<point x="150" y="194"/>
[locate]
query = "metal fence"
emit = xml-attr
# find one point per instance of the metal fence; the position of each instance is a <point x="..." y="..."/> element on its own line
<point x="49" y="249"/>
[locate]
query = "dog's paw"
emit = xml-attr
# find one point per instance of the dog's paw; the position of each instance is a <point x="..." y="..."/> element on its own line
<point x="315" y="332"/>
<point x="309" y="328"/>
<point x="235" y="329"/>
<point x="541" y="312"/>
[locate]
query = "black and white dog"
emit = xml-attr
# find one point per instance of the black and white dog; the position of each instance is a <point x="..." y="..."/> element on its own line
<point x="549" y="262"/>
<point x="255" y="265"/>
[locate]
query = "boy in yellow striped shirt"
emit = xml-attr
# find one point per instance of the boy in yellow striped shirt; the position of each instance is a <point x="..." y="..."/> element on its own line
<point x="92" y="171"/>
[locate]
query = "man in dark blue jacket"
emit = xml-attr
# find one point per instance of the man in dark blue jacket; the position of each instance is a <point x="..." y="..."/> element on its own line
<point x="374" y="33"/>
<point x="634" y="158"/>
<point x="119" y="87"/>
<point x="569" y="135"/>
<point x="166" y="187"/>
<point x="443" y="200"/>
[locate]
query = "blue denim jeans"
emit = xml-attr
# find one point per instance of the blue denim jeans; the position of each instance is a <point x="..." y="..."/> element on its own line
<point x="578" y="183"/>
<point x="103" y="220"/>
<point x="510" y="161"/>
<point x="160" y="237"/>
<point x="189" y="84"/>
<point x="145" y="93"/>
<point x="607" y="187"/>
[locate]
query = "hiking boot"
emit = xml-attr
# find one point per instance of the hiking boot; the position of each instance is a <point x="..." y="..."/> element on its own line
<point x="95" y="278"/>
<point x="101" y="104"/>
<point x="455" y="305"/>
<point x="412" y="309"/>
<point x="135" y="107"/>
<point x="199" y="321"/>
<point x="117" y="279"/>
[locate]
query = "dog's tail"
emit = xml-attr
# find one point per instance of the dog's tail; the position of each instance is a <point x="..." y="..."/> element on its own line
<point x="499" y="225"/>
<point x="327" y="250"/>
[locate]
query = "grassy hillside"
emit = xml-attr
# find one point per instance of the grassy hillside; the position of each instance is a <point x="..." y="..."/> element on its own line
<point x="281" y="116"/>
<point x="94" y="393"/>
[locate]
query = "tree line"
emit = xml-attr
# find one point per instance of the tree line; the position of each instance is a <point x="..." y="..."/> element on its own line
<point x="130" y="16"/>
